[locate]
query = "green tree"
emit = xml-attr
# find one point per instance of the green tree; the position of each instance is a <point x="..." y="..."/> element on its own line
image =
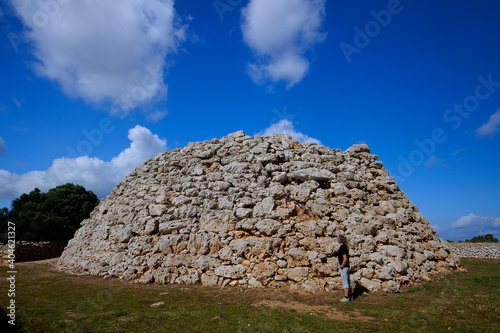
<point x="4" y="219"/>
<point x="51" y="216"/>
<point x="488" y="238"/>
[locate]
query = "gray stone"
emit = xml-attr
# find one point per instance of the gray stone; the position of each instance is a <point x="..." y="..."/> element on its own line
<point x="311" y="174"/>
<point x="296" y="274"/>
<point x="268" y="226"/>
<point x="232" y="272"/>
<point x="372" y="285"/>
<point x="298" y="193"/>
<point x="264" y="208"/>
<point x="217" y="221"/>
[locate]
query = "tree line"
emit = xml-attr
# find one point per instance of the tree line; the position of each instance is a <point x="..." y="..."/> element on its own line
<point x="51" y="216"/>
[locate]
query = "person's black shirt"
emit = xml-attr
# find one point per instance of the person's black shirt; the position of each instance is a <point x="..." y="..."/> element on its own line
<point x="343" y="250"/>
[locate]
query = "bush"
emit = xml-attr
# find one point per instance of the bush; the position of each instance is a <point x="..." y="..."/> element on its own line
<point x="488" y="238"/>
<point x="51" y="216"/>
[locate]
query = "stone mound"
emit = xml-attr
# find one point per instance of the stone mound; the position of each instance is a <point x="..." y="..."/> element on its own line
<point x="258" y="211"/>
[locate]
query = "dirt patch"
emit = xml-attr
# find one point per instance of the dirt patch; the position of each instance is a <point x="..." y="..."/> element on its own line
<point x="314" y="310"/>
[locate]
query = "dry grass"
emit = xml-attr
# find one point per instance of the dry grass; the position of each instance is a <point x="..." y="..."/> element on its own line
<point x="51" y="301"/>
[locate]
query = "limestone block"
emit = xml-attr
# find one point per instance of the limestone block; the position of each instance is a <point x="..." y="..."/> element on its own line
<point x="205" y="263"/>
<point x="246" y="224"/>
<point x="312" y="174"/>
<point x="268" y="226"/>
<point x="391" y="251"/>
<point x="313" y="286"/>
<point x="372" y="285"/>
<point x="209" y="279"/>
<point x="231" y="272"/>
<point x="217" y="221"/>
<point x="263" y="208"/>
<point x="298" y="255"/>
<point x="296" y="274"/>
<point x="298" y="193"/>
<point x="390" y="286"/>
<point x="319" y="206"/>
<point x="171" y="226"/>
<point x="340" y="190"/>
<point x="309" y="228"/>
<point x="157" y="209"/>
<point x="254" y="283"/>
<point x="359" y="148"/>
<point x="385" y="273"/>
<point x="327" y="245"/>
<point x="264" y="270"/>
<point x="243" y="212"/>
<point x="155" y="260"/>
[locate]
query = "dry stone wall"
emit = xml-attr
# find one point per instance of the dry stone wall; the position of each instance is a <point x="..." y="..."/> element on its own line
<point x="476" y="250"/>
<point x="258" y="211"/>
<point x="31" y="251"/>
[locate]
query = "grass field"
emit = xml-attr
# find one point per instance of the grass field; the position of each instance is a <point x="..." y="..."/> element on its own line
<point x="50" y="301"/>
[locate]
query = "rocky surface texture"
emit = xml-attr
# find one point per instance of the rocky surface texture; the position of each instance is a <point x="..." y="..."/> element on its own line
<point x="476" y="250"/>
<point x="259" y="212"/>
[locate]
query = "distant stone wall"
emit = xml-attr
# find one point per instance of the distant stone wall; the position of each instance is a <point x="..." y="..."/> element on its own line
<point x="476" y="250"/>
<point x="28" y="251"/>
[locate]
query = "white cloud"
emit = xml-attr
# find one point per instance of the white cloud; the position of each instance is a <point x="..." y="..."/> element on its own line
<point x="104" y="51"/>
<point x="90" y="172"/>
<point x="492" y="125"/>
<point x="471" y="225"/>
<point x="280" y="32"/>
<point x="2" y="146"/>
<point x="476" y="220"/>
<point x="285" y="126"/>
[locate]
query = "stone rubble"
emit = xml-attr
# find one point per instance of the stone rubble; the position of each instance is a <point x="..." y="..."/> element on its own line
<point x="259" y="211"/>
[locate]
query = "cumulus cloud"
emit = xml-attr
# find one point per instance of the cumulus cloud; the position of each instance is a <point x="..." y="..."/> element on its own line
<point x="471" y="225"/>
<point x="91" y="172"/>
<point x="280" y="32"/>
<point x="2" y="146"/>
<point x="285" y="126"/>
<point x="107" y="52"/>
<point x="491" y="127"/>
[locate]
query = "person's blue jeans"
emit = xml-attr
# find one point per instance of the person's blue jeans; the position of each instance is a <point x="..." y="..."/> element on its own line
<point x="344" y="275"/>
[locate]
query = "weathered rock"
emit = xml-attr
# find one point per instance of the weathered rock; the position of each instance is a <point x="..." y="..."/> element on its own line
<point x="232" y="272"/>
<point x="259" y="212"/>
<point x="217" y="221"/>
<point x="311" y="174"/>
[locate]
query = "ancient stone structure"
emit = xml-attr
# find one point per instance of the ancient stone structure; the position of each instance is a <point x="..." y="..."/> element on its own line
<point x="259" y="212"/>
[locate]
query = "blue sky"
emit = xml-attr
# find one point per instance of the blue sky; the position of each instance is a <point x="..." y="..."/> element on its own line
<point x="91" y="89"/>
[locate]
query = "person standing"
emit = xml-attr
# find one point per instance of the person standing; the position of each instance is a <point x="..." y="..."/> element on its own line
<point x="343" y="256"/>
